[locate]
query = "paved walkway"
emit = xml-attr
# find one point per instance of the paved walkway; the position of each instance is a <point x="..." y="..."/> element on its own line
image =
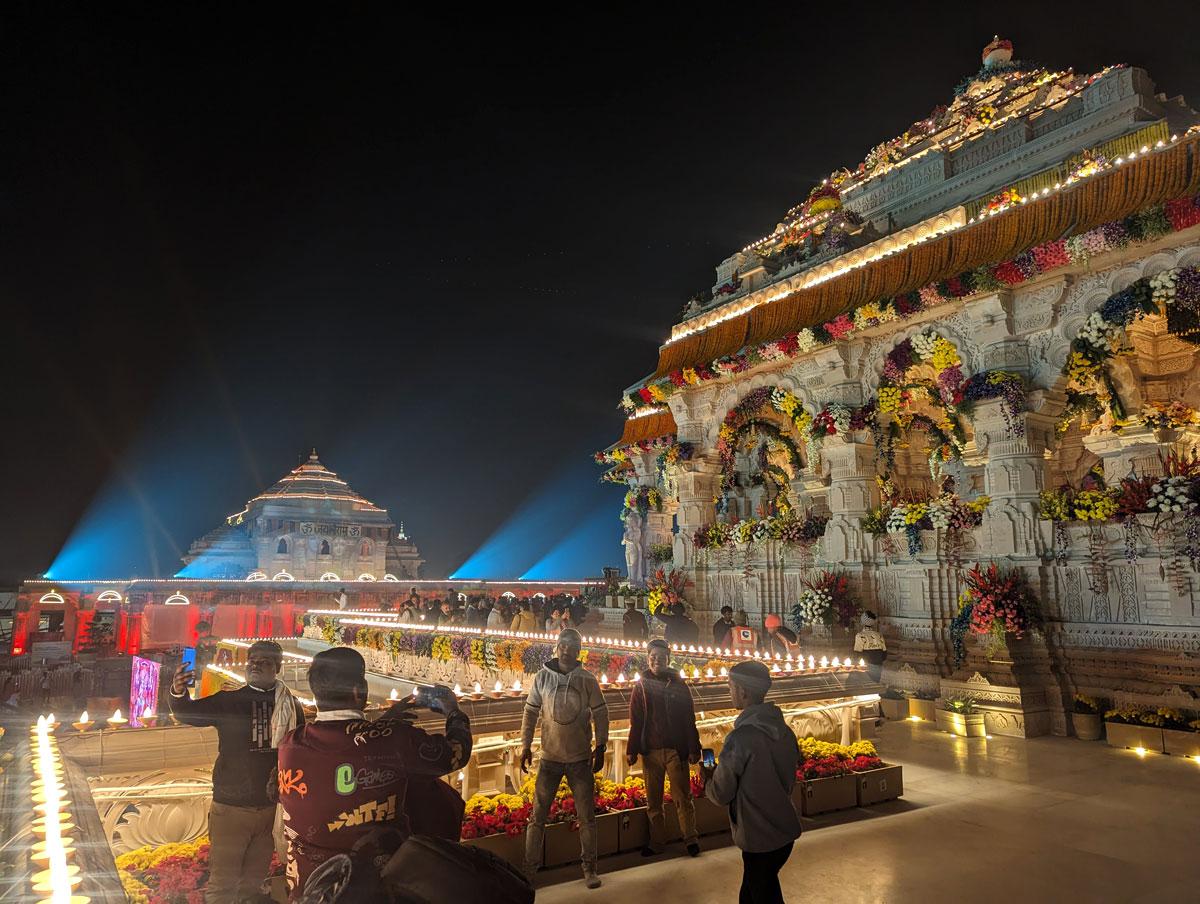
<point x="999" y="820"/>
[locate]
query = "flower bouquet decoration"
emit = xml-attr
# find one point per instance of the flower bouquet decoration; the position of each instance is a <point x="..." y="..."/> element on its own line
<point x="666" y="588"/>
<point x="993" y="604"/>
<point x="825" y="601"/>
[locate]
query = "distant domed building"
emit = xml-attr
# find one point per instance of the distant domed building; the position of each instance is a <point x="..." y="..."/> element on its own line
<point x="309" y="526"/>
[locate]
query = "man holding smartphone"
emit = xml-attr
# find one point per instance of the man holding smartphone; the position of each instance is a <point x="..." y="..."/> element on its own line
<point x="567" y="699"/>
<point x="342" y="777"/>
<point x="250" y="721"/>
<point x="662" y="729"/>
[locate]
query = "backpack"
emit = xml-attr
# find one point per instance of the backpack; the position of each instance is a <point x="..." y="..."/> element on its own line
<point x="427" y="870"/>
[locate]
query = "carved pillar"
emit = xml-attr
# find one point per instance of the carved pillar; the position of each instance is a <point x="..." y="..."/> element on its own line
<point x="699" y="482"/>
<point x="852" y="493"/>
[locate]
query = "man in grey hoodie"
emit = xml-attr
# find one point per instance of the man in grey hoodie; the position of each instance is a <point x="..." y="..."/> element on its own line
<point x="754" y="778"/>
<point x="567" y="699"/>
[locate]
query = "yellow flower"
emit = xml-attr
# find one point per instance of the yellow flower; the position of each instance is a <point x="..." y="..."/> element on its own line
<point x="889" y="398"/>
<point x="944" y="354"/>
<point x="727" y="433"/>
<point x="657" y="393"/>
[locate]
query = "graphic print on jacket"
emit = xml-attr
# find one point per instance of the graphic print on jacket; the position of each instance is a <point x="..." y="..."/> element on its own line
<point x="341" y="779"/>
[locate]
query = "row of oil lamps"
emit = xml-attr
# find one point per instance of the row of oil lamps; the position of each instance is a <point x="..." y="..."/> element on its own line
<point x="86" y="722"/>
<point x="53" y="825"/>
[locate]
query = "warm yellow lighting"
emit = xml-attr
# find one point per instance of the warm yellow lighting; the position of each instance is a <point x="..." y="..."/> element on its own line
<point x="637" y="676"/>
<point x="517" y="685"/>
<point x="620" y="677"/>
<point x="914" y="719"/>
<point x="724" y="672"/>
<point x="604" y="679"/>
<point x="498" y="688"/>
<point x="1140" y="751"/>
<point x="458" y="691"/>
<point x="394" y="695"/>
<point x="116" y="720"/>
<point x="1196" y="759"/>
<point x="478" y="688"/>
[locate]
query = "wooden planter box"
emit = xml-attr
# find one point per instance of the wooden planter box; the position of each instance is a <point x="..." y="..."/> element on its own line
<point x="965" y="725"/>
<point x="506" y="847"/>
<point x="824" y="795"/>
<point x="1181" y="743"/>
<point x="894" y="710"/>
<point x="633" y="829"/>
<point x="1121" y="735"/>
<point x="710" y="818"/>
<point x="1088" y="726"/>
<point x="923" y="709"/>
<point x="562" y="840"/>
<point x="877" y="785"/>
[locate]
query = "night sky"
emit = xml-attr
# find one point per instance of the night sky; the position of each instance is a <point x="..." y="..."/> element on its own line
<point x="434" y="248"/>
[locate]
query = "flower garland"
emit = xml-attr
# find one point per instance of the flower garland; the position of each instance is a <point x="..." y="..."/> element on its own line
<point x="622" y="454"/>
<point x="640" y="500"/>
<point x="1168" y="415"/>
<point x="993" y="603"/>
<point x="1145" y="225"/>
<point x="1103" y="334"/>
<point x="785" y="528"/>
<point x="946" y="511"/>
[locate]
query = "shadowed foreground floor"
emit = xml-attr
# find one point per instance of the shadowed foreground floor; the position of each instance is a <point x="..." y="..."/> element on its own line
<point x="1051" y="819"/>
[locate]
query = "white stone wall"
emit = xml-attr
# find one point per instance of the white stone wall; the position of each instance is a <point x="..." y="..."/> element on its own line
<point x="1139" y="635"/>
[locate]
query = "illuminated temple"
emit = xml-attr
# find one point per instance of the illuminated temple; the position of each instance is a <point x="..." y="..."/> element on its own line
<point x="976" y="346"/>
<point x="309" y="526"/>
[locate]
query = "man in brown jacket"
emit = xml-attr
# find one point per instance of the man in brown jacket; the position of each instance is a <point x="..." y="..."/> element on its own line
<point x="662" y="729"/>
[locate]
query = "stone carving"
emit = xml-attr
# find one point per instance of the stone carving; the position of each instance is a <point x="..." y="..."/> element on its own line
<point x="1127" y="588"/>
<point x="175" y="810"/>
<point x="635" y="551"/>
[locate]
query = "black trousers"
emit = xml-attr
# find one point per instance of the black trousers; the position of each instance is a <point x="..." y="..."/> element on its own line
<point x="760" y="876"/>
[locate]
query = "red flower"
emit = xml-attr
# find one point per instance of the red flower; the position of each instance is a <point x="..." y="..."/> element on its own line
<point x="644" y="393"/>
<point x="676" y="377"/>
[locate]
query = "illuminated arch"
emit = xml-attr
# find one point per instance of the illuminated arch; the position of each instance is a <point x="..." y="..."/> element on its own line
<point x="53" y="598"/>
<point x="328" y="576"/>
<point x="256" y="576"/>
<point x="110" y="596"/>
<point x="509" y="594"/>
<point x="390" y="578"/>
<point x="177" y="599"/>
<point x="283" y="576"/>
<point x="462" y="597"/>
<point x="539" y="595"/>
<point x="369" y="578"/>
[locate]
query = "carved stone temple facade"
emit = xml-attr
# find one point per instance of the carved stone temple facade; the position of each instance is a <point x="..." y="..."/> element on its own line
<point x="848" y="364"/>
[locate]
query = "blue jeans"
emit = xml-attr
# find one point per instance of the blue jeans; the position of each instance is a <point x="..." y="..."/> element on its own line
<point x="583" y="787"/>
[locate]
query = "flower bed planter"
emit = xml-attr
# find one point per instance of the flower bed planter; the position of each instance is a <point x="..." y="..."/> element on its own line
<point x="824" y="795"/>
<point x="562" y="840"/>
<point x="506" y="847"/>
<point x="1087" y="726"/>
<point x="633" y="829"/>
<point x="923" y="709"/>
<point x="877" y="785"/>
<point x="965" y="725"/>
<point x="1120" y="734"/>
<point x="1181" y="743"/>
<point x="711" y="818"/>
<point x="894" y="710"/>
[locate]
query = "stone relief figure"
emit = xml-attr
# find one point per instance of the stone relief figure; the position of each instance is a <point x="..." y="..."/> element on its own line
<point x="635" y="551"/>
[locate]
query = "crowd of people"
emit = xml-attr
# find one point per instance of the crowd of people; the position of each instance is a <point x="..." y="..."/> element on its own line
<point x="343" y="799"/>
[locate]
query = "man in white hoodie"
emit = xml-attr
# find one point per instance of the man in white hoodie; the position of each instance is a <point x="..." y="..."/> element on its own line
<point x="754" y="778"/>
<point x="567" y="699"/>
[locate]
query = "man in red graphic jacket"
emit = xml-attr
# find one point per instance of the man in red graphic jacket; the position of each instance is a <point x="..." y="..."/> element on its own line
<point x="342" y="777"/>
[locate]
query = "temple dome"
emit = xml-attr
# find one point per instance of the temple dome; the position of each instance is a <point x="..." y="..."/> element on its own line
<point x="312" y="480"/>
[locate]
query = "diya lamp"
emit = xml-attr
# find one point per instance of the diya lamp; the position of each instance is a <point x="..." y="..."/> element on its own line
<point x="149" y="718"/>
<point x="116" y="720"/>
<point x="85" y="722"/>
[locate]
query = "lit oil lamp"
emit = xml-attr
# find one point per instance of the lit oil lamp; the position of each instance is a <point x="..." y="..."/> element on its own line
<point x="85" y="722"/>
<point x="149" y="718"/>
<point x="116" y="720"/>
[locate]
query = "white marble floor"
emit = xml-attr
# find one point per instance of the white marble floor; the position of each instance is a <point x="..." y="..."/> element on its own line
<point x="982" y="820"/>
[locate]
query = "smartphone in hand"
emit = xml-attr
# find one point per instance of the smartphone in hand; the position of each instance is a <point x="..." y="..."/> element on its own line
<point x="708" y="758"/>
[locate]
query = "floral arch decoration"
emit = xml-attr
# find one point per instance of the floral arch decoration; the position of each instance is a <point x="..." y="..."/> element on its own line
<point x="327" y="577"/>
<point x="927" y="368"/>
<point x="747" y="418"/>
<point x="1174" y="294"/>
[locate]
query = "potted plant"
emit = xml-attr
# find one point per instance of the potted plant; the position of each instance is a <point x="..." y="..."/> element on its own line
<point x="994" y="605"/>
<point x="959" y="716"/>
<point x="1085" y="717"/>
<point x="921" y="706"/>
<point x="1136" y="728"/>
<point x="1181" y="735"/>
<point x="894" y="704"/>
